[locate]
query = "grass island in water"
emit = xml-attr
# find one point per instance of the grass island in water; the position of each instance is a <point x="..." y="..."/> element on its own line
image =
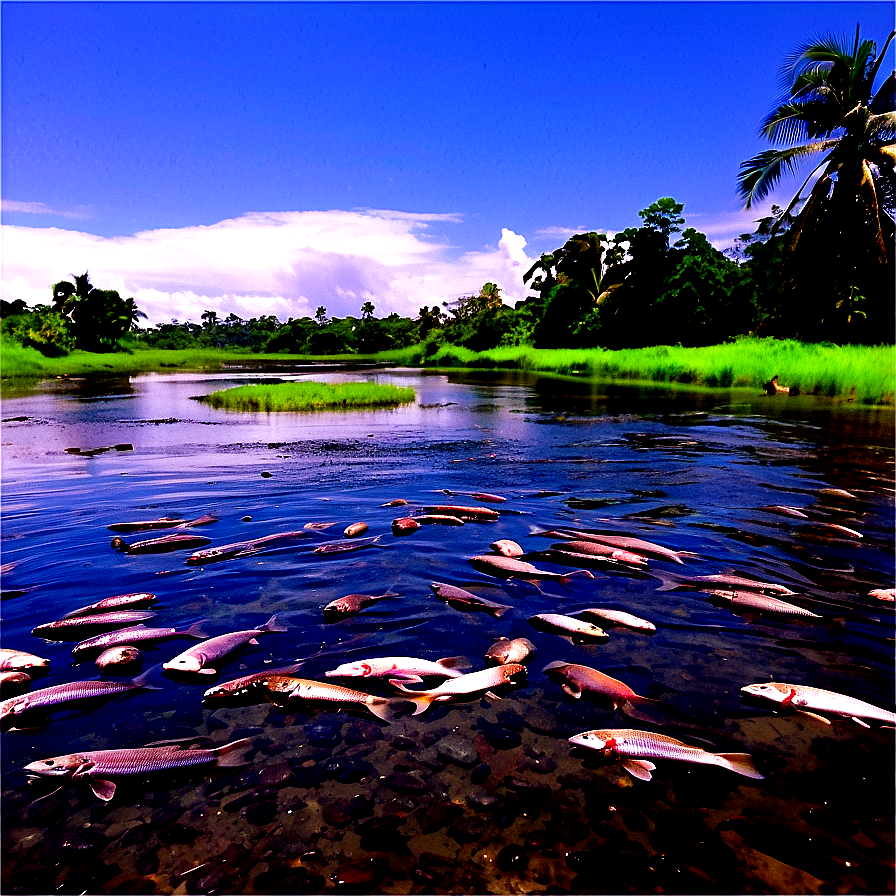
<point x="309" y="396"/>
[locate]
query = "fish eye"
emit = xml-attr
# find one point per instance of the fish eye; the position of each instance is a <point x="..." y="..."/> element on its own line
<point x="49" y="762"/>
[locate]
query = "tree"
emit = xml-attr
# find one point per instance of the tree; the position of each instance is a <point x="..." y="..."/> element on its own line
<point x="367" y="310"/>
<point x="321" y="316"/>
<point x="842" y="241"/>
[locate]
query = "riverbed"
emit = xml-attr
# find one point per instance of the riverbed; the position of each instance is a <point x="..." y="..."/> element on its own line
<point x="482" y="794"/>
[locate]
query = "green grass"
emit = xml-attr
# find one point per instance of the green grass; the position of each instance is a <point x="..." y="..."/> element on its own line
<point x="863" y="373"/>
<point x="309" y="396"/>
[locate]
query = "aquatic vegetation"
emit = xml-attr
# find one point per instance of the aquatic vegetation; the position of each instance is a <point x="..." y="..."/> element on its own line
<point x="309" y="396"/>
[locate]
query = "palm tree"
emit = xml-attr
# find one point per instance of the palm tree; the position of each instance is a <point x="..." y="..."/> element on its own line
<point x="830" y="108"/>
<point x="367" y="310"/>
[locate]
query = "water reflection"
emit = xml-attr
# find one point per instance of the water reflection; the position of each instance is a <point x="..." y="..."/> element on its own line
<point x="472" y="796"/>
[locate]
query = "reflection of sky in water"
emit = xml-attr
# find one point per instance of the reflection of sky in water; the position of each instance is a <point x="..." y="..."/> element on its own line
<point x="599" y="452"/>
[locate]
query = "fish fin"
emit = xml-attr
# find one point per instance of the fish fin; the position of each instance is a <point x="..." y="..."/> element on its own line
<point x="497" y="612"/>
<point x="102" y="788"/>
<point x="233" y="754"/>
<point x="815" y="716"/>
<point x="253" y="641"/>
<point x="201" y="520"/>
<point x="749" y="615"/>
<point x="408" y="677"/>
<point x="490" y="695"/>
<point x="195" y="630"/>
<point x="630" y="707"/>
<point x="860" y="722"/>
<point x="740" y="763"/>
<point x="272" y="626"/>
<point x="390" y="708"/>
<point x="638" y="768"/>
<point x="556" y="664"/>
<point x="567" y="688"/>
<point x="455" y="662"/>
<point x="565" y="579"/>
<point x="209" y="671"/>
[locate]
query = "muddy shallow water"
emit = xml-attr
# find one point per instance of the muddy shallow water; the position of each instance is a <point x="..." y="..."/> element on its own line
<point x="479" y="795"/>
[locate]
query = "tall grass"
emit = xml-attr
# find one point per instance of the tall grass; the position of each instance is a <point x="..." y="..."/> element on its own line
<point x="863" y="373"/>
<point x="309" y="396"/>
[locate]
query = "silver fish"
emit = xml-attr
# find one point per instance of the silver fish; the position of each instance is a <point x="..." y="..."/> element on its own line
<point x="507" y="548"/>
<point x="619" y="617"/>
<point x="243" y="548"/>
<point x="752" y="605"/>
<point x="719" y="582"/>
<point x="343" y="547"/>
<point x="496" y="565"/>
<point x="165" y="522"/>
<point x="19" y="659"/>
<point x="407" y="668"/>
<point x="284" y="688"/>
<point x="505" y="651"/>
<point x="137" y="599"/>
<point x="577" y="680"/>
<point x="350" y="604"/>
<point x="97" y="768"/>
<point x="633" y="748"/>
<point x="162" y="545"/>
<point x="68" y="629"/>
<point x="115" y="658"/>
<point x="471" y="683"/>
<point x="803" y="697"/>
<point x="198" y="657"/>
<point x="237" y="687"/>
<point x="461" y="599"/>
<point x="596" y="549"/>
<point x="480" y="514"/>
<point x="569" y="624"/>
<point x="138" y="634"/>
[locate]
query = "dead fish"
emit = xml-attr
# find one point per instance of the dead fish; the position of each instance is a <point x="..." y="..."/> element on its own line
<point x="243" y="548"/>
<point x="633" y="748"/>
<point x="165" y="522"/>
<point x="97" y="768"/>
<point x="47" y="700"/>
<point x="237" y="687"/>
<point x="115" y="658"/>
<point x="437" y="519"/>
<point x="751" y="605"/>
<point x="318" y="527"/>
<point x="837" y="493"/>
<point x="576" y="680"/>
<point x="888" y="594"/>
<point x="803" y="698"/>
<point x="197" y="657"/>
<point x="628" y="543"/>
<point x="397" y="502"/>
<point x="16" y="660"/>
<point x="505" y="651"/>
<point x="68" y="629"/>
<point x="285" y="689"/>
<point x="620" y="617"/>
<point x="406" y="668"/>
<point x="355" y="529"/>
<point x="833" y="529"/>
<point x="163" y="545"/>
<point x="350" y="604"/>
<point x="783" y="510"/>
<point x="507" y="548"/>
<point x="342" y="547"/>
<point x="404" y="526"/>
<point x="595" y="549"/>
<point x="139" y="634"/>
<point x="461" y="599"/>
<point x="488" y="498"/>
<point x="471" y="683"/>
<point x="480" y="514"/>
<point x="497" y="565"/>
<point x="700" y="583"/>
<point x="137" y="599"/>
<point x="14" y="683"/>
<point x="569" y="624"/>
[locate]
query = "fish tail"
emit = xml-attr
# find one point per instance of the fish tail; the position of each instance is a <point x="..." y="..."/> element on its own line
<point x="740" y="763"/>
<point x="388" y="708"/>
<point x="498" y="611"/>
<point x="142" y="680"/>
<point x="196" y="630"/>
<point x="421" y="700"/>
<point x="202" y="520"/>
<point x="565" y="579"/>
<point x="669" y="580"/>
<point x="455" y="662"/>
<point x="272" y="626"/>
<point x="235" y="753"/>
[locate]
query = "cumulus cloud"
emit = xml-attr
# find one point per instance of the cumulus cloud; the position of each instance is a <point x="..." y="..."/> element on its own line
<point x="281" y="263"/>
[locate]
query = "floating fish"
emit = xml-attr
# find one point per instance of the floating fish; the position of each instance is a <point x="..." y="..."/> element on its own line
<point x="837" y="493"/>
<point x="16" y="660"/>
<point x="138" y="634"/>
<point x="507" y="567"/>
<point x="635" y="545"/>
<point x="596" y="549"/>
<point x="318" y="527"/>
<point x="835" y="530"/>
<point x="46" y="700"/>
<point x="14" y="683"/>
<point x="97" y="768"/>
<point x="397" y="502"/>
<point x="802" y="697"/>
<point x="619" y="617"/>
<point x="165" y="522"/>
<point x="238" y="687"/>
<point x="888" y="594"/>
<point x="350" y="604"/>
<point x="576" y="680"/>
<point x="480" y="514"/>
<point x="243" y="548"/>
<point x="507" y="548"/>
<point x="505" y="651"/>
<point x="568" y="624"/>
<point x="471" y="683"/>
<point x="461" y="599"/>
<point x="137" y="599"/>
<point x="163" y="545"/>
<point x="197" y="657"/>
<point x="437" y="519"/>
<point x="783" y="510"/>
<point x="355" y="529"/>
<point x="407" y="668"/>
<point x="343" y="547"/>
<point x="751" y="605"/>
<point x="68" y="629"/>
<point x="286" y="689"/>
<point x="634" y="748"/>
<point x="115" y="658"/>
<point x="404" y="526"/>
<point x="719" y="582"/>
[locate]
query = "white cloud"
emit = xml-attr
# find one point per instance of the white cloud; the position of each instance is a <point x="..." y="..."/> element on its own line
<point x="41" y="208"/>
<point x="722" y="229"/>
<point x="280" y="263"/>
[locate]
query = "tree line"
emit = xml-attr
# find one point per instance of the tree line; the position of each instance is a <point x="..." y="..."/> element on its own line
<point x="820" y="269"/>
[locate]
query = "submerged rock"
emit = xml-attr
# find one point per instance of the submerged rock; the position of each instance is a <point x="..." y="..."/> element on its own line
<point x="458" y="749"/>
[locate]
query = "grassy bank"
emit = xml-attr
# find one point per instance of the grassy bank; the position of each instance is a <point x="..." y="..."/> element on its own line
<point x="863" y="373"/>
<point x="309" y="396"/>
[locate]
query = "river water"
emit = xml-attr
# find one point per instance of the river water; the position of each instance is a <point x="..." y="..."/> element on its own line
<point x="477" y="795"/>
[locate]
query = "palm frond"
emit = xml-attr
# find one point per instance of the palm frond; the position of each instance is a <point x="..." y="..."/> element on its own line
<point x="759" y="175"/>
<point x="787" y="124"/>
<point x="885" y="98"/>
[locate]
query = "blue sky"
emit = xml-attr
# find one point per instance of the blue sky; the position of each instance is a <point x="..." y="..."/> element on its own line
<point x="267" y="158"/>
